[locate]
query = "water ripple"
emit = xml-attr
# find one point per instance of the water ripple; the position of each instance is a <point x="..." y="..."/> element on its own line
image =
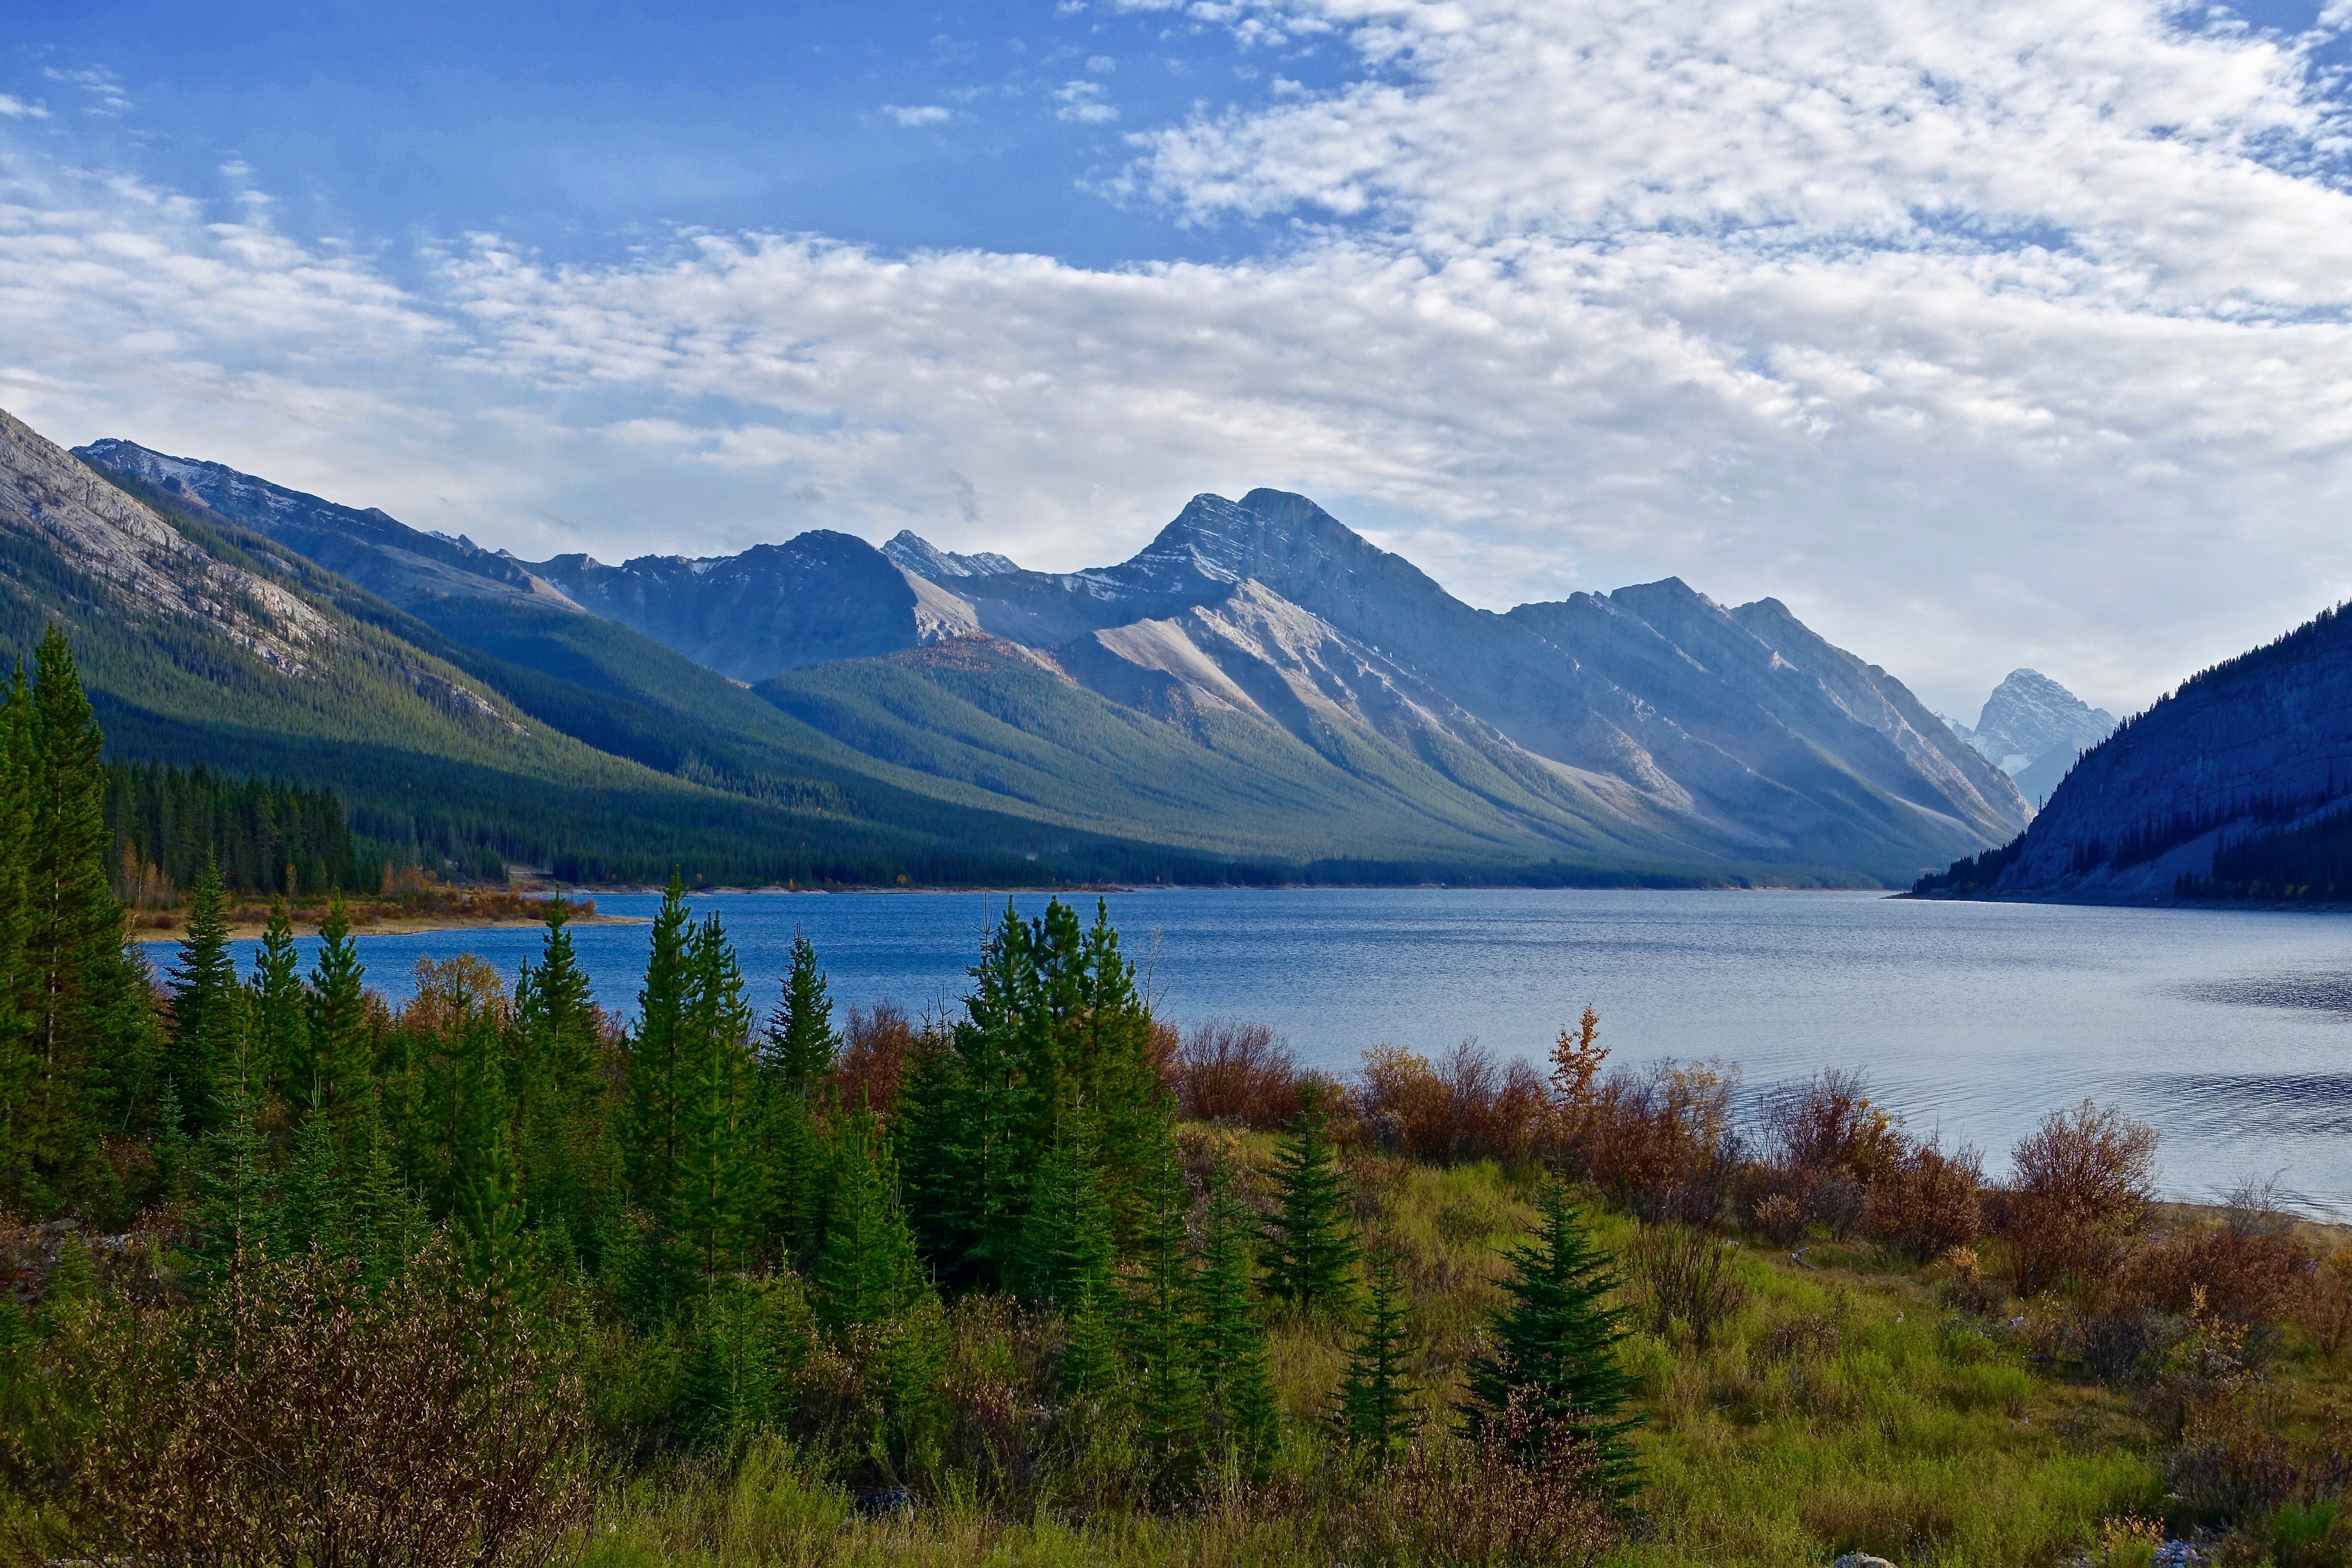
<point x="2320" y="993"/>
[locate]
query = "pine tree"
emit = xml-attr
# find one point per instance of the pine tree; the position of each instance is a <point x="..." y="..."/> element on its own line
<point x="489" y="1209"/>
<point x="1067" y="1252"/>
<point x="923" y="1122"/>
<point x="715" y="1182"/>
<point x="866" y="1270"/>
<point x="235" y="1221"/>
<point x="315" y="1210"/>
<point x="1374" y="1410"/>
<point x="801" y="1045"/>
<point x="71" y="960"/>
<point x="276" y="1014"/>
<point x="556" y="1030"/>
<point x="1555" y="1346"/>
<point x="1238" y="1389"/>
<point x="650" y="1145"/>
<point x="1105" y="1062"/>
<point x="17" y="1061"/>
<point x="342" y="1051"/>
<point x="1310" y="1244"/>
<point x="1001" y="1121"/>
<point x="207" y="1004"/>
<point x="1160" y="1339"/>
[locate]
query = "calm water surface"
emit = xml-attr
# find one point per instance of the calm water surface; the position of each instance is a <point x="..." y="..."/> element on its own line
<point x="2231" y="1032"/>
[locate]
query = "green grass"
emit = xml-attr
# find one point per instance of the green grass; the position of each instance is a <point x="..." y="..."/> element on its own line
<point x="1911" y="1432"/>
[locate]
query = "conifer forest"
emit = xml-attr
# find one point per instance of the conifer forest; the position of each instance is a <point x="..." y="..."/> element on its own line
<point x="295" y="1277"/>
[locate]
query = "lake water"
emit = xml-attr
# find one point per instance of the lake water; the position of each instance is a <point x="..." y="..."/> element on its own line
<point x="2231" y="1032"/>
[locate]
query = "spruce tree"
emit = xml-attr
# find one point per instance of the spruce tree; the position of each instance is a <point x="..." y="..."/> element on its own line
<point x="716" y="1183"/>
<point x="1556" y="1344"/>
<point x="207" y="1011"/>
<point x="72" y="961"/>
<point x="1067" y="1252"/>
<point x="17" y="1061"/>
<point x="801" y="1045"/>
<point x="488" y="1208"/>
<point x="650" y="1144"/>
<point x="866" y="1270"/>
<point x="235" y="1222"/>
<point x="1237" y="1389"/>
<point x="556" y="1031"/>
<point x="1160" y="1339"/>
<point x="276" y="1014"/>
<point x="1374" y="1412"/>
<point x="315" y="1210"/>
<point x="342" y="1051"/>
<point x="999" y="1124"/>
<point x="1309" y="1247"/>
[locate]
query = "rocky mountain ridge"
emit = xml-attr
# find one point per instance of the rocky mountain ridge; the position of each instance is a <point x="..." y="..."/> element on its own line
<point x="1326" y="680"/>
<point x="2033" y="729"/>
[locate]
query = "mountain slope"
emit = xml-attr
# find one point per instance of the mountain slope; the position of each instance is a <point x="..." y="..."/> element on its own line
<point x="2260" y="744"/>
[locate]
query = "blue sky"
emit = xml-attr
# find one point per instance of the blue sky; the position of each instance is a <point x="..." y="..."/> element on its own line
<point x="1983" y="335"/>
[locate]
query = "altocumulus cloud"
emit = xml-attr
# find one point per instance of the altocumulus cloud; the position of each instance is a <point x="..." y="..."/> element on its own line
<point x="1983" y="335"/>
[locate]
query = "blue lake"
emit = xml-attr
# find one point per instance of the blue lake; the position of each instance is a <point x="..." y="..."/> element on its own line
<point x="2231" y="1032"/>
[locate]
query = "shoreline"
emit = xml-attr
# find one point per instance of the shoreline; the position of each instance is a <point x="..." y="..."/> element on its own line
<point x="398" y="925"/>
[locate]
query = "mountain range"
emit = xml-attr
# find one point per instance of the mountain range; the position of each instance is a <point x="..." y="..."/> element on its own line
<point x="1260" y="690"/>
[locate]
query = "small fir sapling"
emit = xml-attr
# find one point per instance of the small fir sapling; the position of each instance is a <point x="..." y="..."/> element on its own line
<point x="1310" y="1244"/>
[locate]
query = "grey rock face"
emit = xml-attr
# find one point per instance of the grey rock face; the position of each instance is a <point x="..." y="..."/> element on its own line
<point x="387" y="557"/>
<point x="821" y="596"/>
<point x="2030" y="716"/>
<point x="921" y="556"/>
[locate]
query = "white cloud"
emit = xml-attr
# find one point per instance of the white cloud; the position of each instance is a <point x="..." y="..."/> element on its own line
<point x="102" y="89"/>
<point x="17" y="109"/>
<point x="1083" y="102"/>
<point x="1101" y="65"/>
<point x="1983" y="336"/>
<point x="919" y="114"/>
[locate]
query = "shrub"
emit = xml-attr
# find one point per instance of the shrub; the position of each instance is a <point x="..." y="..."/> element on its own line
<point x="294" y="1417"/>
<point x="1685" y="1277"/>
<point x="1660" y="1140"/>
<point x="1780" y="1217"/>
<point x="1238" y="1075"/>
<point x="1827" y="1126"/>
<point x="2246" y="1277"/>
<point x="2082" y="1182"/>
<point x="1466" y="1106"/>
<point x="1927" y="1203"/>
<point x="873" y="1051"/>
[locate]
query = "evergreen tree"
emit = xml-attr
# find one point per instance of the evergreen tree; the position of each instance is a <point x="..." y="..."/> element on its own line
<point x="342" y="1049"/>
<point x="70" y="963"/>
<point x="489" y="1209"/>
<point x="801" y="1045"/>
<point x="1310" y="1244"/>
<point x="235" y="1220"/>
<point x="650" y="1147"/>
<point x="1067" y="1252"/>
<point x="1104" y="1057"/>
<point x="1160" y="1342"/>
<point x="715" y="1182"/>
<point x="866" y="1270"/>
<point x="1374" y="1410"/>
<point x="1001" y="1092"/>
<point x="316" y="1212"/>
<point x="924" y="1129"/>
<point x="1237" y="1388"/>
<point x="17" y="1061"/>
<point x="556" y="1029"/>
<point x="1556" y="1345"/>
<point x="207" y="1006"/>
<point x="276" y="1014"/>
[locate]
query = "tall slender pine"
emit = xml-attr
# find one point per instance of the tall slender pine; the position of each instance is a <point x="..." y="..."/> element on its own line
<point x="1238" y="1390"/>
<point x="207" y="1006"/>
<point x="1311" y="1246"/>
<point x="278" y="1013"/>
<point x="1374" y="1412"/>
<point x="716" y="1183"/>
<point x="342" y="1048"/>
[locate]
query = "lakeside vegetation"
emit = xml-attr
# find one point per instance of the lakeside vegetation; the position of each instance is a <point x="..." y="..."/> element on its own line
<point x="294" y="1275"/>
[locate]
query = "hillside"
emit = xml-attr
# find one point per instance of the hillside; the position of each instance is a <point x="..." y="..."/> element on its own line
<point x="1260" y="681"/>
<point x="2241" y="774"/>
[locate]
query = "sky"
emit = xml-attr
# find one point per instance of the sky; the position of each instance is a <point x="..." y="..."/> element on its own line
<point x="1981" y="336"/>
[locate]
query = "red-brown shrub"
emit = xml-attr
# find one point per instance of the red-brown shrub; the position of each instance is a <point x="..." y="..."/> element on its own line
<point x="1827" y="1126"/>
<point x="1237" y="1074"/>
<point x="873" y="1057"/>
<point x="1926" y="1202"/>
<point x="2247" y="1276"/>
<point x="1659" y="1139"/>
<point x="1466" y="1106"/>
<point x="2082" y="1182"/>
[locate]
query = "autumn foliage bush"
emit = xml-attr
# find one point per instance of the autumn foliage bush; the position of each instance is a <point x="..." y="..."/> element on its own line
<point x="2079" y="1193"/>
<point x="1467" y="1105"/>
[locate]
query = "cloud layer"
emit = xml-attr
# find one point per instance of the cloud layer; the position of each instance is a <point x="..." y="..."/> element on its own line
<point x="1982" y="336"/>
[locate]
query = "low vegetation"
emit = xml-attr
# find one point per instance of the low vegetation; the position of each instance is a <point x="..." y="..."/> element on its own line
<point x="295" y="1277"/>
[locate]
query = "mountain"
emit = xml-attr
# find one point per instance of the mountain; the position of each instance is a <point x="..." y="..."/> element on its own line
<point x="553" y="736"/>
<point x="2243" y="775"/>
<point x="2033" y="729"/>
<point x="1258" y="681"/>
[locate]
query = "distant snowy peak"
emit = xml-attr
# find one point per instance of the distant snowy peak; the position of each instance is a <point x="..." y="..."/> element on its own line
<point x="919" y="555"/>
<point x="2030" y="716"/>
